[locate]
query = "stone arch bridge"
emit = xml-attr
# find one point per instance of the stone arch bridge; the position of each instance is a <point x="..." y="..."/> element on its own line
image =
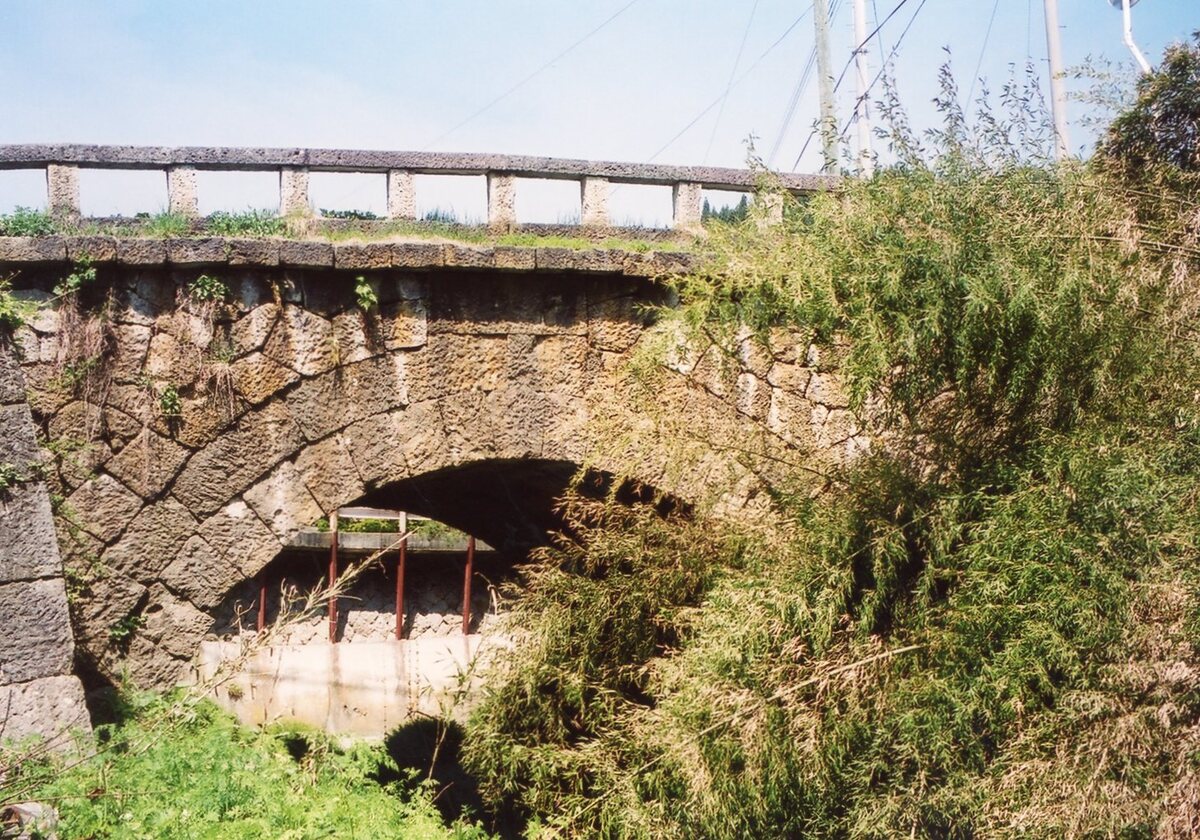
<point x="202" y="398"/>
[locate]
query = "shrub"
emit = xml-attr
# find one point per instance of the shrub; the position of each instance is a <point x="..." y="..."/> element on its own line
<point x="26" y="222"/>
<point x="247" y="223"/>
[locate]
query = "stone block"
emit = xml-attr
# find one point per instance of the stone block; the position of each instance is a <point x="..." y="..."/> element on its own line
<point x="98" y="249"/>
<point x="250" y="332"/>
<point x="131" y="344"/>
<point x="405" y="324"/>
<point x="827" y="390"/>
<point x="377" y="446"/>
<point x="239" y="538"/>
<point x="181" y="191"/>
<point x="12" y="382"/>
<point x="141" y="251"/>
<point x="36" y="641"/>
<point x="47" y="707"/>
<point x="514" y="258"/>
<point x="32" y="249"/>
<point x="305" y="254"/>
<point x="18" y="445"/>
<point x="283" y="500"/>
<point x="293" y="191"/>
<point x="303" y="341"/>
<point x="253" y="251"/>
<point x="28" y="543"/>
<point x="329" y="472"/>
<point x="113" y="597"/>
<point x="468" y="256"/>
<point x="174" y="625"/>
<point x="329" y="402"/>
<point x="593" y="193"/>
<point x="62" y="190"/>
<point x="148" y="463"/>
<point x="209" y="250"/>
<point x="151" y="541"/>
<point x="258" y="378"/>
<point x="222" y="470"/>
<point x="358" y="335"/>
<point x="501" y="200"/>
<point x="401" y="195"/>
<point x="352" y="256"/>
<point x="417" y="255"/>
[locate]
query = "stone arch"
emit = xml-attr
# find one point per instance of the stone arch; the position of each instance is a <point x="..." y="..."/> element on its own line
<point x="331" y="404"/>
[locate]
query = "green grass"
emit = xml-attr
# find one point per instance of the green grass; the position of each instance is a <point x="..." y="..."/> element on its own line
<point x="247" y="223"/>
<point x="26" y="222"/>
<point x="177" y="768"/>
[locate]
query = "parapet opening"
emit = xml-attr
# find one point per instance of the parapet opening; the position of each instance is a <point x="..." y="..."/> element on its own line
<point x="725" y="205"/>
<point x="22" y="188"/>
<point x="547" y="201"/>
<point x="237" y="192"/>
<point x="640" y="206"/>
<point x="451" y="199"/>
<point x="122" y="192"/>
<point x="348" y="195"/>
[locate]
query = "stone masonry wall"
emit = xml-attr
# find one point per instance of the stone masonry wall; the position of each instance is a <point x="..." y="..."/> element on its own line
<point x="39" y="694"/>
<point x="193" y="438"/>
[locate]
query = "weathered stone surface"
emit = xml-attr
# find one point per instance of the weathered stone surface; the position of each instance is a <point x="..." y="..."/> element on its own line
<point x="47" y="707"/>
<point x="16" y="432"/>
<point x="131" y="344"/>
<point x="98" y="249"/>
<point x="172" y="360"/>
<point x="377" y="445"/>
<point x="195" y="252"/>
<point x="252" y="251"/>
<point x="329" y="472"/>
<point x="103" y="507"/>
<point x="257" y="378"/>
<point x="357" y="336"/>
<point x="827" y="390"/>
<point x="147" y="463"/>
<point x="305" y="254"/>
<point x="12" y="383"/>
<point x="405" y="324"/>
<point x="303" y="341"/>
<point x="353" y="256"/>
<point x="417" y="255"/>
<point x="514" y="258"/>
<point x="238" y="537"/>
<point x="32" y="249"/>
<point x="250" y="332"/>
<point x="27" y="538"/>
<point x="199" y="575"/>
<point x="36" y="641"/>
<point x="228" y="465"/>
<point x="333" y="400"/>
<point x="172" y="624"/>
<point x="283" y="500"/>
<point x="141" y="251"/>
<point x="151" y="541"/>
<point x="113" y="598"/>
<point x="466" y="256"/>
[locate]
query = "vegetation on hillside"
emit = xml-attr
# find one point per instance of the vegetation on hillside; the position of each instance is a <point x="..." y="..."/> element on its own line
<point x="988" y="624"/>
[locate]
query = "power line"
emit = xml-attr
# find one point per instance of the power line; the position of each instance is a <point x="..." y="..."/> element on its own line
<point x="534" y="74"/>
<point x="729" y="84"/>
<point x="986" y="37"/>
<point x="736" y="82"/>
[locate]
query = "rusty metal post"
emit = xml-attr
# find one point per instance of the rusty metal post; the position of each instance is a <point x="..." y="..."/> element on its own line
<point x="333" y="571"/>
<point x="401" y="527"/>
<point x="468" y="572"/>
<point x="262" y="602"/>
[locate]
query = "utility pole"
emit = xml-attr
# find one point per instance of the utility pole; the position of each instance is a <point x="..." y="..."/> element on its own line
<point x="829" y="132"/>
<point x="866" y="160"/>
<point x="1058" y="96"/>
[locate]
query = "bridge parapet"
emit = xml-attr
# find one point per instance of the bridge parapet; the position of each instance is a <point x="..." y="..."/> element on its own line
<point x="180" y="164"/>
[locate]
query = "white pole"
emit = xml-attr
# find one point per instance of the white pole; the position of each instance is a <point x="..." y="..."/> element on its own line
<point x="866" y="160"/>
<point x="1133" y="48"/>
<point x="829" y="140"/>
<point x="1058" y="96"/>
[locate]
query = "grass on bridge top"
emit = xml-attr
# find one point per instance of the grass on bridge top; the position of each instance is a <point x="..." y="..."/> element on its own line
<point x="348" y="225"/>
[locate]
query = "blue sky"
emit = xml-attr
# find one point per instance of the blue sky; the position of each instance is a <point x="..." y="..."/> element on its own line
<point x="397" y="74"/>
